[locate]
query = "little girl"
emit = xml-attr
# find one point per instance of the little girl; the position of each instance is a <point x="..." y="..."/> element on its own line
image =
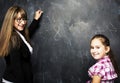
<point x="106" y="69"/>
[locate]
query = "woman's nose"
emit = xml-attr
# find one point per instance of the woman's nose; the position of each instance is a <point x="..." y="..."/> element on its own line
<point x="23" y="21"/>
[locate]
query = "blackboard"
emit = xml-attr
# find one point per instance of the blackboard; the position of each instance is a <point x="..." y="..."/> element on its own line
<point x="61" y="44"/>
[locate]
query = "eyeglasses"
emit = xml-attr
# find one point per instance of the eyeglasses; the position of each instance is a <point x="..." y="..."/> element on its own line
<point x="19" y="20"/>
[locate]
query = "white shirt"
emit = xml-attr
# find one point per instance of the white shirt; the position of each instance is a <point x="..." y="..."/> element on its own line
<point x="24" y="40"/>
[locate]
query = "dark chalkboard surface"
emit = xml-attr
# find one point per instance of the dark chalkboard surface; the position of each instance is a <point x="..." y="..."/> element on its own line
<point x="61" y="44"/>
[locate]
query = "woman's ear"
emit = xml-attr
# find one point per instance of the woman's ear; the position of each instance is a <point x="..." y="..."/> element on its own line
<point x="107" y="49"/>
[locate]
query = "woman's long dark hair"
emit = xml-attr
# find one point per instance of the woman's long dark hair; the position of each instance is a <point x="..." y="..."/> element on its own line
<point x="8" y="36"/>
<point x="106" y="42"/>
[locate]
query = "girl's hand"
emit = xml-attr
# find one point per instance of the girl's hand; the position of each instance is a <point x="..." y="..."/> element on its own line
<point x="96" y="79"/>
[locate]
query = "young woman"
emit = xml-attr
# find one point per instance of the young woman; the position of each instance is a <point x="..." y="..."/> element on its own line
<point x="106" y="69"/>
<point x="15" y="45"/>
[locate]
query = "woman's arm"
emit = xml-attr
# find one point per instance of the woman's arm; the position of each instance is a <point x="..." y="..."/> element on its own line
<point x="38" y="14"/>
<point x="96" y="79"/>
<point x="35" y="23"/>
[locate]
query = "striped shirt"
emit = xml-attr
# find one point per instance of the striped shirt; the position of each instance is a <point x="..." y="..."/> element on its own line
<point x="104" y="69"/>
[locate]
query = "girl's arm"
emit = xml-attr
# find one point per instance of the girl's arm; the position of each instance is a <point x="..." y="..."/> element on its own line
<point x="96" y="79"/>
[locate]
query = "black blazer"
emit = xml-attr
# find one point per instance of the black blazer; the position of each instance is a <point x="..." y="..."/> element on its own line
<point x="2" y="67"/>
<point x="18" y="62"/>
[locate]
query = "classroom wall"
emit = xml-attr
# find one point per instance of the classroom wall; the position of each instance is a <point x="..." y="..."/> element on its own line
<point x="61" y="44"/>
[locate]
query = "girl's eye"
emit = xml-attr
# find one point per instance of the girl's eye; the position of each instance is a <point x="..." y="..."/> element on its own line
<point x="91" y="47"/>
<point x="97" y="47"/>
